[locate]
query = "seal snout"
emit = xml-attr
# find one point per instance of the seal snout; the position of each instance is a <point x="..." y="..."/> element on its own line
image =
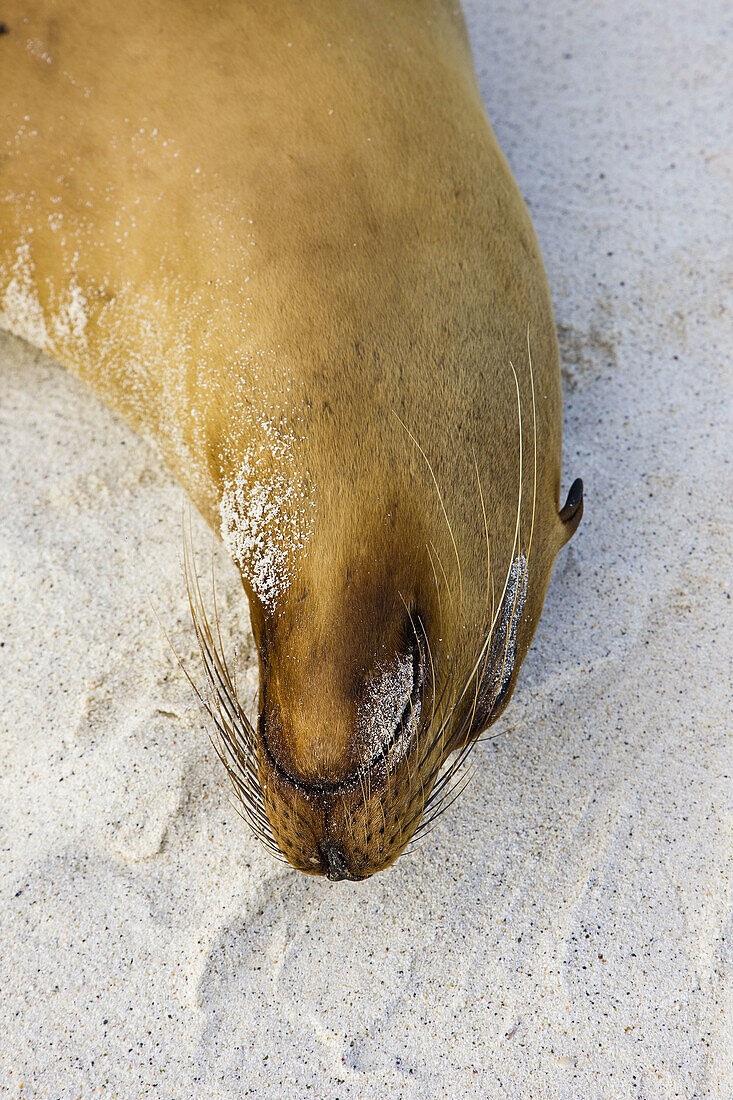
<point x="342" y="701"/>
<point x="334" y="790"/>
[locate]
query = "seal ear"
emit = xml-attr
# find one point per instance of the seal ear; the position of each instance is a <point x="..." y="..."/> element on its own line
<point x="572" y="511"/>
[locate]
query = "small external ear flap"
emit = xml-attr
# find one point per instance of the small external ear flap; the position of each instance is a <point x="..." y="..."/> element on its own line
<point x="572" y="512"/>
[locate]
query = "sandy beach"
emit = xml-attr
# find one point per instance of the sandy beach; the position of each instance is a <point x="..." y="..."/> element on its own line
<point x="566" y="931"/>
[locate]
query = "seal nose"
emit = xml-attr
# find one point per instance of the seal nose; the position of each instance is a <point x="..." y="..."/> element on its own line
<point x="335" y="863"/>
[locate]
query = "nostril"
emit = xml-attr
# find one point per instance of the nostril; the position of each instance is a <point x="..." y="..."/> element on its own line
<point x="334" y="861"/>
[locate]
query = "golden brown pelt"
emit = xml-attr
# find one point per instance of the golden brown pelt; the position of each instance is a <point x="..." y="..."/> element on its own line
<point x="281" y="240"/>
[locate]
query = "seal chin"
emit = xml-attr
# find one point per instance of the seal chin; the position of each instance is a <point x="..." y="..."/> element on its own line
<point x="335" y="867"/>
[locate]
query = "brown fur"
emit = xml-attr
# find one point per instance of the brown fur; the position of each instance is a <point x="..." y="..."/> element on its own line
<point x="286" y="231"/>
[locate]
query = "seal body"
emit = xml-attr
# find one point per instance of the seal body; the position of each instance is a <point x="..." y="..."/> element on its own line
<point x="281" y="240"/>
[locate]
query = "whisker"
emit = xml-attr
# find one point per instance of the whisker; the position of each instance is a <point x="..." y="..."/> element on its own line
<point x="487" y="640"/>
<point x="235" y="742"/>
<point x="486" y="531"/>
<point x="421" y="834"/>
<point x="534" y="447"/>
<point x="431" y="546"/>
<point x="442" y="793"/>
<point x="521" y="583"/>
<point x="442" y="505"/>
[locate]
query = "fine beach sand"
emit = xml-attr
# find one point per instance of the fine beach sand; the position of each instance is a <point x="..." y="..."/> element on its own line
<point x="566" y="930"/>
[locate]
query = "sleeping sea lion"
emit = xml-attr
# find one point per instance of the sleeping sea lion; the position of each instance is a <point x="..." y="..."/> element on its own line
<point x="281" y="240"/>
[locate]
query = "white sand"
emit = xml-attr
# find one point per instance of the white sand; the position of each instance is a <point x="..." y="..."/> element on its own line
<point x="566" y="932"/>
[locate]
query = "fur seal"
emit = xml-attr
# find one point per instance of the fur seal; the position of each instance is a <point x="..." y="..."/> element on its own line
<point x="281" y="240"/>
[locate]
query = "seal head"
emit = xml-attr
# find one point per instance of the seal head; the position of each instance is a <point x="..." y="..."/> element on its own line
<point x="380" y="666"/>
